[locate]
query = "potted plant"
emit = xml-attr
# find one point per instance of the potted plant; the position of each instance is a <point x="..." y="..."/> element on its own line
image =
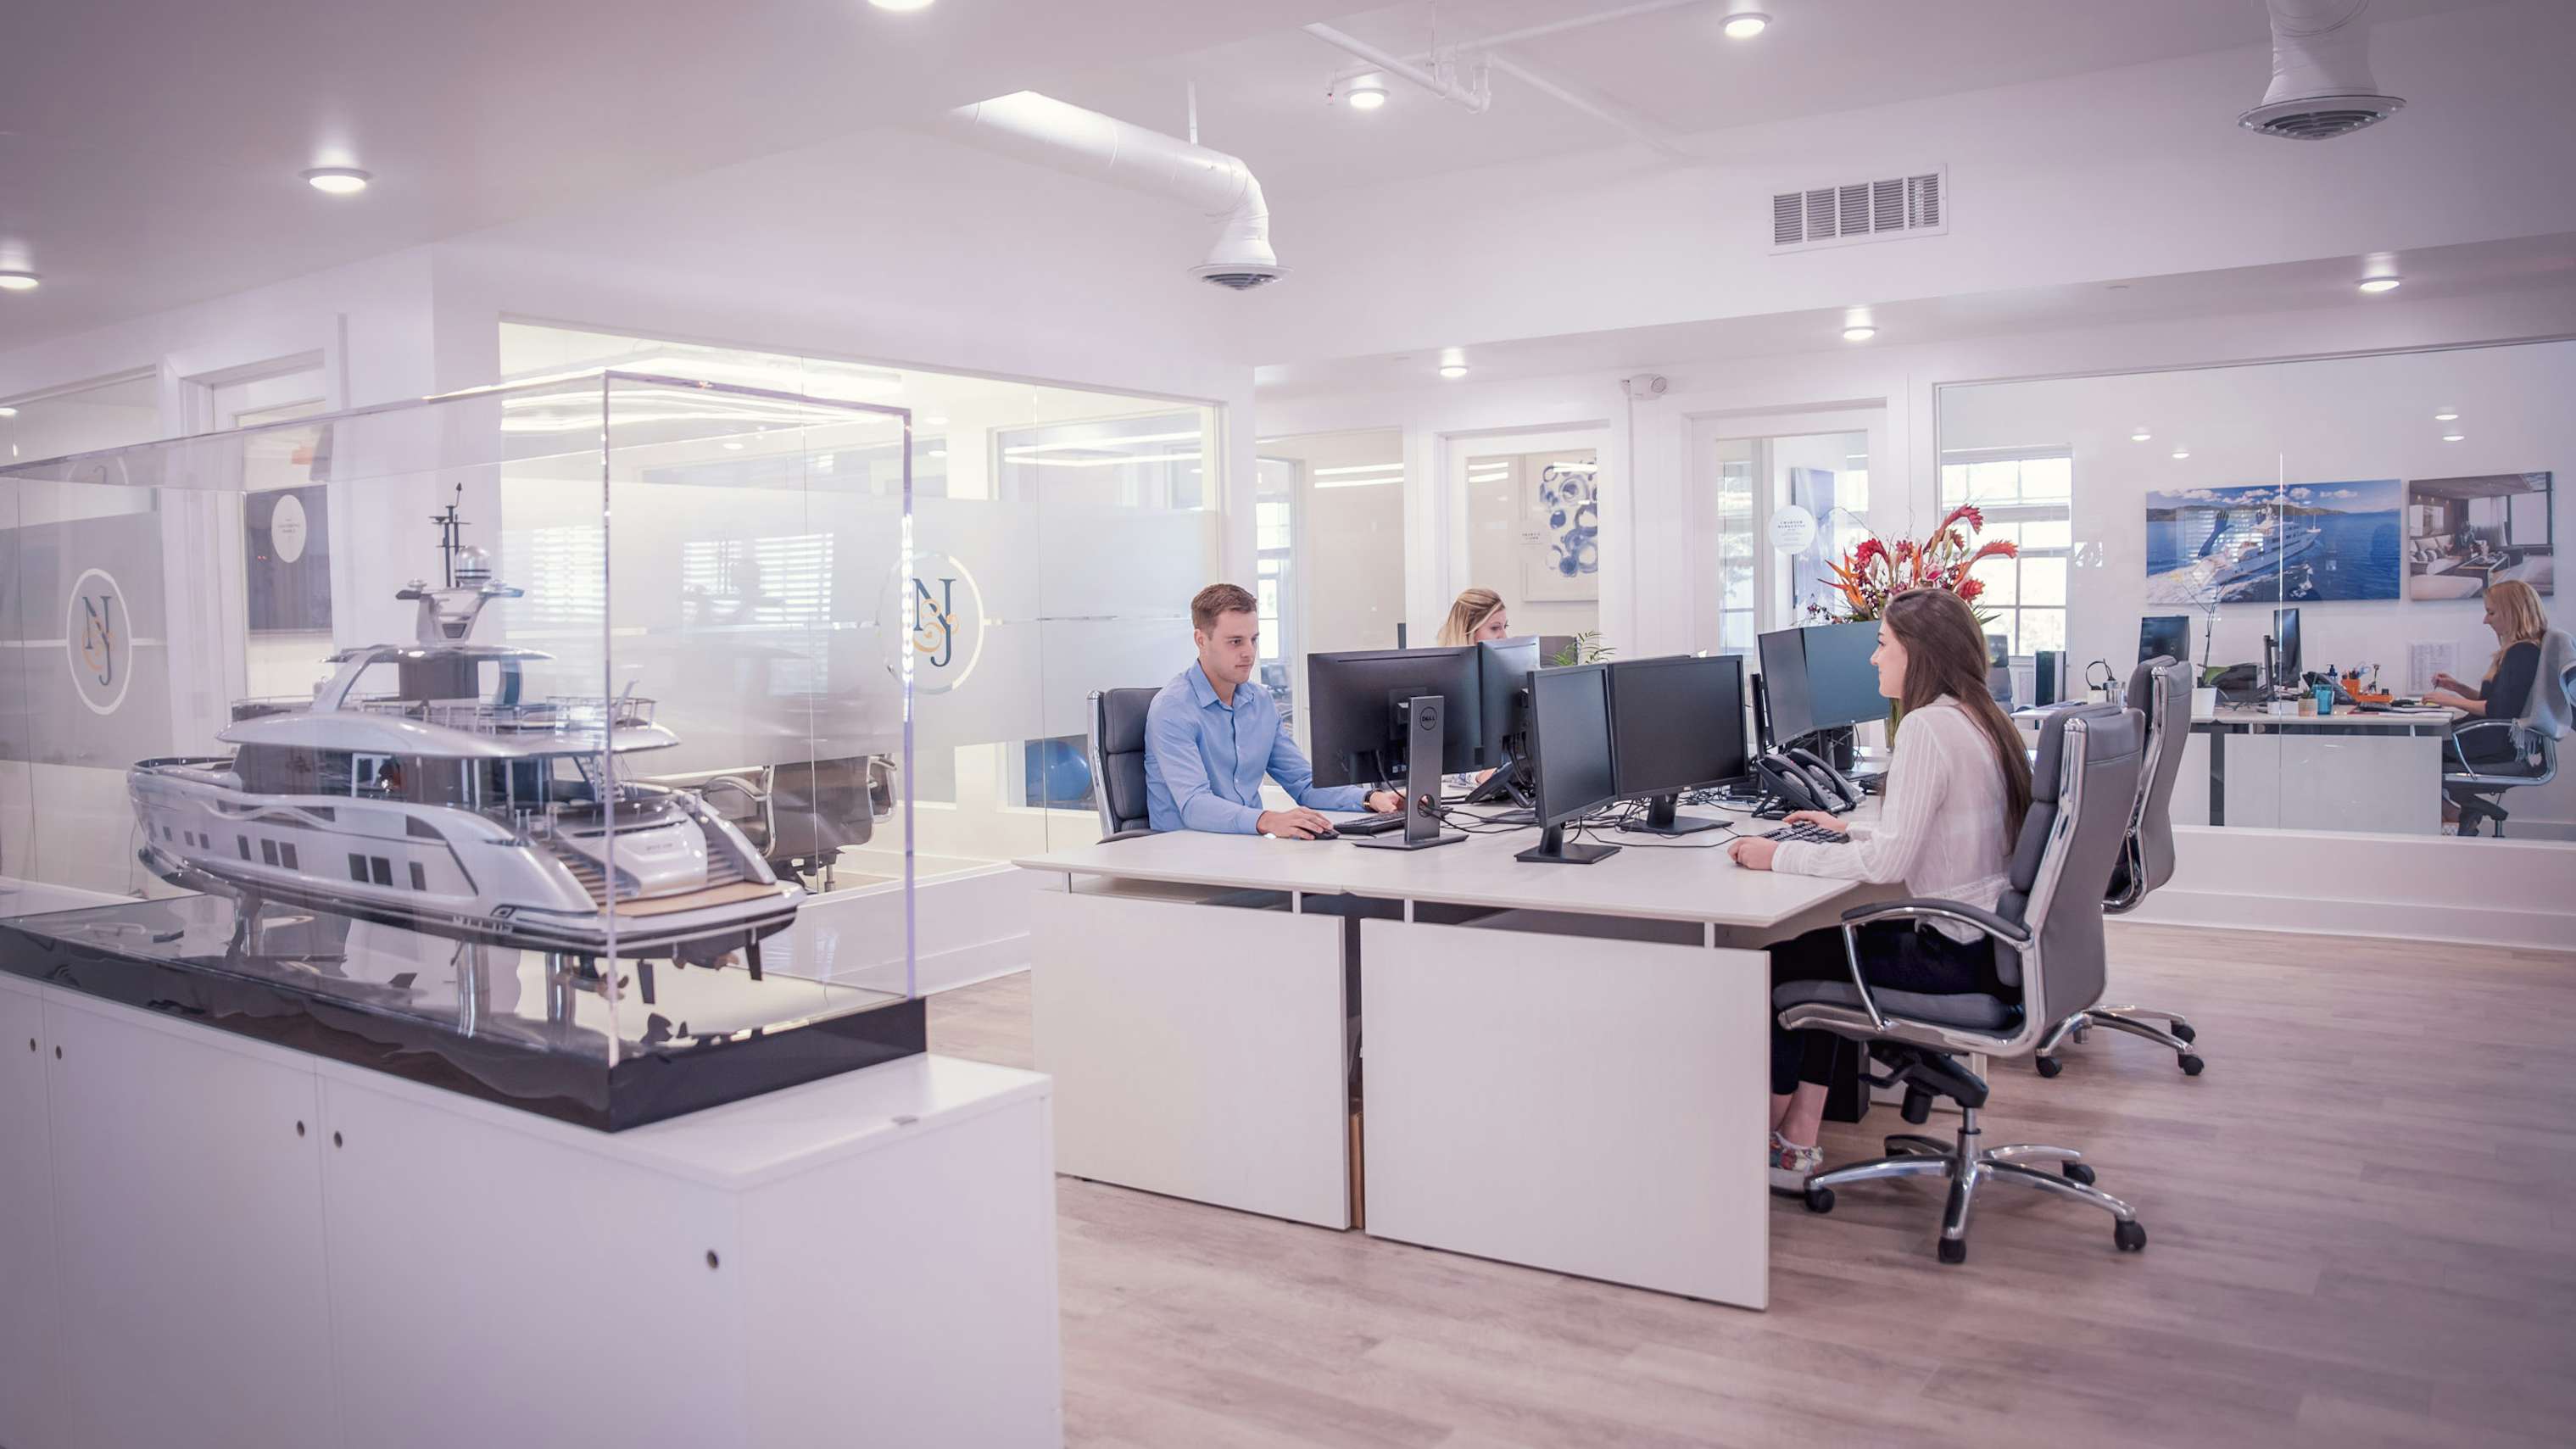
<point x="1873" y="573"/>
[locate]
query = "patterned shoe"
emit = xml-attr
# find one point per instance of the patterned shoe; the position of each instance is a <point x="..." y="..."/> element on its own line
<point x="1792" y="1165"/>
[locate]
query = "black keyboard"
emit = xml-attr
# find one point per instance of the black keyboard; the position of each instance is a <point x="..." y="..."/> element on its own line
<point x="1813" y="834"/>
<point x="1373" y="825"/>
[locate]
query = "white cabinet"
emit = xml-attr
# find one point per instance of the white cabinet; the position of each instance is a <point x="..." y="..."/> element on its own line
<point x="28" y="1301"/>
<point x="867" y="1259"/>
<point x="188" y="1214"/>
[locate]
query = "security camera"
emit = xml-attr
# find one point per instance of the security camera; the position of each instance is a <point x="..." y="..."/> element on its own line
<point x="1644" y="384"/>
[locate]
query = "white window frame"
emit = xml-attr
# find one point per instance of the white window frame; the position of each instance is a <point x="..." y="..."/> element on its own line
<point x="2023" y="512"/>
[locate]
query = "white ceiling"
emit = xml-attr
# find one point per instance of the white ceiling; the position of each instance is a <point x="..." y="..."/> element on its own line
<point x="1263" y="97"/>
<point x="2518" y="265"/>
<point x="150" y="150"/>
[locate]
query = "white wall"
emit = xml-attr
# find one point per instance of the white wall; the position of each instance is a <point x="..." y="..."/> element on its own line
<point x="2126" y="173"/>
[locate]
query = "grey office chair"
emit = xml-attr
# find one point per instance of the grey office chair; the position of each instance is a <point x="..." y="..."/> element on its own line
<point x="2047" y="931"/>
<point x="1118" y="761"/>
<point x="2478" y="789"/>
<point x="2160" y="690"/>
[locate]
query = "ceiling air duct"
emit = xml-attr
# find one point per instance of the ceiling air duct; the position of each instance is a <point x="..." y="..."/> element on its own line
<point x="2321" y="82"/>
<point x="1050" y="132"/>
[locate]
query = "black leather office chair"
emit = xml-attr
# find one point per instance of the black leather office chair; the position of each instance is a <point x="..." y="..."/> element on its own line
<point x="1118" y="761"/>
<point x="2160" y="690"/>
<point x="2047" y="931"/>
<point x="2478" y="789"/>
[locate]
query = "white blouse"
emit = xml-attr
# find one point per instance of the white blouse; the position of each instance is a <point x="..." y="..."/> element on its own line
<point x="1942" y="829"/>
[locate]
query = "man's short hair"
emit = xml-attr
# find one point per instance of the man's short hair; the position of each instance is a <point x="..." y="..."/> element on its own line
<point x="1218" y="599"/>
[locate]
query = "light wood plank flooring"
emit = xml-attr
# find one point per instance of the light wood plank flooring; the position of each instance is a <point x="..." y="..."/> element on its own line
<point x="2359" y="1236"/>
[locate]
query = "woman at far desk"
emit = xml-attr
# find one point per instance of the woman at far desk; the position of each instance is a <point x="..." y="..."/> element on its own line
<point x="1956" y="793"/>
<point x="2514" y="613"/>
<point x="1476" y="616"/>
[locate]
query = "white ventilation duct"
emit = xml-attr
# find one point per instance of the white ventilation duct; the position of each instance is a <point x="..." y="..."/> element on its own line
<point x="1051" y="133"/>
<point x="2321" y="82"/>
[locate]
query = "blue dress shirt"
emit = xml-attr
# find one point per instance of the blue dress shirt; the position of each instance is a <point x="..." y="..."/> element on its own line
<point x="1204" y="761"/>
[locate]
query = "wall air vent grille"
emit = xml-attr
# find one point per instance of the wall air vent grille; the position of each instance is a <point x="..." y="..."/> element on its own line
<point x="1860" y="211"/>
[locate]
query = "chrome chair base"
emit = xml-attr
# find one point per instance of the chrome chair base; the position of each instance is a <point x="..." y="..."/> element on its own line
<point x="2176" y="1035"/>
<point x="1911" y="1154"/>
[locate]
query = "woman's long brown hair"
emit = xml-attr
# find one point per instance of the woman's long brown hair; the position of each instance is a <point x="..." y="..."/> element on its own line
<point x="1945" y="654"/>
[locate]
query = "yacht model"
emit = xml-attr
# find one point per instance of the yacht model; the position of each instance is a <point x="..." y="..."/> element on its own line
<point x="444" y="808"/>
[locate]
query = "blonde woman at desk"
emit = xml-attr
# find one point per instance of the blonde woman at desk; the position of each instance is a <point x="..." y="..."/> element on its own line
<point x="1956" y="793"/>
<point x="2514" y="613"/>
<point x="1476" y="616"/>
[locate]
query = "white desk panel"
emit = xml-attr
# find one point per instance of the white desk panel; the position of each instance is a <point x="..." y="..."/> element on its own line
<point x="1595" y="1107"/>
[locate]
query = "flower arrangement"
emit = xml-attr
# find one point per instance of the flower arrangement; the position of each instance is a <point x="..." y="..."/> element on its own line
<point x="1873" y="573"/>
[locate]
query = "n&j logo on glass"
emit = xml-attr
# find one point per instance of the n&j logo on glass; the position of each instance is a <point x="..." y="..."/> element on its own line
<point x="936" y="624"/>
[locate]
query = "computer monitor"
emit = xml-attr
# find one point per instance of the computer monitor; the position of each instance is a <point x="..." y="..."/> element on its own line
<point x="1570" y="758"/>
<point x="1676" y="724"/>
<point x="1504" y="667"/>
<point x="2168" y="635"/>
<point x="1356" y="702"/>
<point x="1819" y="678"/>
<point x="2285" y="629"/>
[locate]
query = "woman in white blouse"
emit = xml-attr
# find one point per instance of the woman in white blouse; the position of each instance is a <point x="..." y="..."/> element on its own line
<point x="1956" y="793"/>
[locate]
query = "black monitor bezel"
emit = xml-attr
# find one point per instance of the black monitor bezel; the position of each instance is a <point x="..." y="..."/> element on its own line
<point x="1629" y="668"/>
<point x="1461" y="733"/>
<point x="1538" y="745"/>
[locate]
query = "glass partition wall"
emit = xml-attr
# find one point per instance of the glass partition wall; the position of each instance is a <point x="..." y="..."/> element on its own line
<point x="2341" y="521"/>
<point x="1059" y="535"/>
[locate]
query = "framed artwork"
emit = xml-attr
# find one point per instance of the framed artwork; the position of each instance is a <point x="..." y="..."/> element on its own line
<point x="2465" y="534"/>
<point x="2275" y="544"/>
<point x="286" y="540"/>
<point x="1561" y="535"/>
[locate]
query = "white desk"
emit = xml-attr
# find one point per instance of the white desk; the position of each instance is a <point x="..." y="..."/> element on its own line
<point x="1565" y="1066"/>
<point x="2376" y="773"/>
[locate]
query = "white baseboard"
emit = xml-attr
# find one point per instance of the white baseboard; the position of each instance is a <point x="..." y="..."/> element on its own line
<point x="2405" y="887"/>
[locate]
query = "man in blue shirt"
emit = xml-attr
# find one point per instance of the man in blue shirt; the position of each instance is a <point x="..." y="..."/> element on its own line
<point x="1213" y="733"/>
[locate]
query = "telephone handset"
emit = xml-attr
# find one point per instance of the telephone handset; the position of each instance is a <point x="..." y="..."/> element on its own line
<point x="1841" y="783"/>
<point x="1802" y="784"/>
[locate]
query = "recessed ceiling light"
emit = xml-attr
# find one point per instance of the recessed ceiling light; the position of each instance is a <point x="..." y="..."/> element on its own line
<point x="2379" y="284"/>
<point x="1453" y="369"/>
<point x="2181" y="453"/>
<point x="2140" y="436"/>
<point x="337" y="180"/>
<point x="8" y="412"/>
<point x="1746" y="19"/>
<point x="18" y="281"/>
<point x="939" y="452"/>
<point x="2447" y="415"/>
<point x="733" y="445"/>
<point x="2453" y="437"/>
<point x="934" y="422"/>
<point x="1367" y="93"/>
<point x="1859" y="334"/>
<point x="901" y="4"/>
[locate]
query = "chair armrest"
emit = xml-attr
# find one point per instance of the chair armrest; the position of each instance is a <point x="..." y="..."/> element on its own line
<point x="1915" y="910"/>
<point x="1136" y="834"/>
<point x="1923" y="910"/>
<point x="2466" y="727"/>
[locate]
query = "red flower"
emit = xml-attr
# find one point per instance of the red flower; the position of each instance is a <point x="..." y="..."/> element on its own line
<point x="1968" y="511"/>
<point x="1995" y="548"/>
<point x="1870" y="548"/>
<point x="1970" y="588"/>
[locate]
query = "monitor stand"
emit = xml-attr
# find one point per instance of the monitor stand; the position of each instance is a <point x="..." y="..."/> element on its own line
<point x="1552" y="850"/>
<point x="1661" y="819"/>
<point x="1422" y="727"/>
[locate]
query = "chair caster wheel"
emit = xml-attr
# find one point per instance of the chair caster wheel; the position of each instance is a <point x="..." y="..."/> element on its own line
<point x="1820" y="1199"/>
<point x="2183" y="1032"/>
<point x="2049" y="1066"/>
<point x="2076" y="1172"/>
<point x="1954" y="1250"/>
<point x="2190" y="1064"/>
<point x="2131" y="1236"/>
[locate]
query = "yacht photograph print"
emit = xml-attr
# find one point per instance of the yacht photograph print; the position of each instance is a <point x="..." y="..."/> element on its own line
<point x="2275" y="543"/>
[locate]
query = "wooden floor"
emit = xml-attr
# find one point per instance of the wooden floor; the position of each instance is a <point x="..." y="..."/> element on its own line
<point x="2359" y="1236"/>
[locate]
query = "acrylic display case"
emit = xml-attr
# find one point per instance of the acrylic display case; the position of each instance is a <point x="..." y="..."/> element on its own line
<point x="505" y="741"/>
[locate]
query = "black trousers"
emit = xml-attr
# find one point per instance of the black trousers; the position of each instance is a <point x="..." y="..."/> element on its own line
<point x="1893" y="954"/>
